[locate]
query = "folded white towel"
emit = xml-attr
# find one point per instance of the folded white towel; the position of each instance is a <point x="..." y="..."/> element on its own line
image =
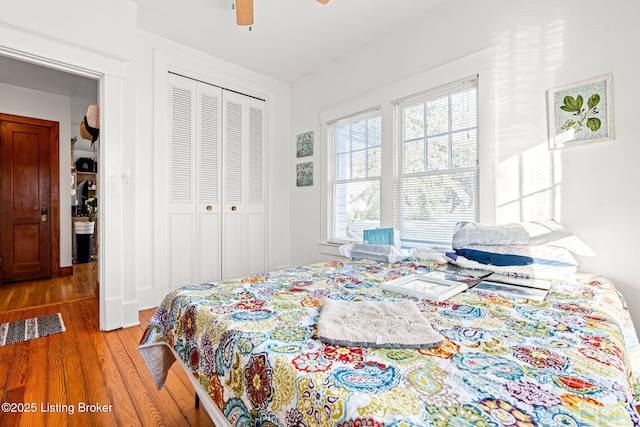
<point x="376" y="324"/>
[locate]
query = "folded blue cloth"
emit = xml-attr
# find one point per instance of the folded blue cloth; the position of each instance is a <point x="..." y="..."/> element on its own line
<point x="497" y="259"/>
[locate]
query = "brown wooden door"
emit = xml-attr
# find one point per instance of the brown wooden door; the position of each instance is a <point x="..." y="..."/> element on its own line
<point x="28" y="197"/>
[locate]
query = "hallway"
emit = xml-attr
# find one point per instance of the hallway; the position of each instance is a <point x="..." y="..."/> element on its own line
<point x="37" y="293"/>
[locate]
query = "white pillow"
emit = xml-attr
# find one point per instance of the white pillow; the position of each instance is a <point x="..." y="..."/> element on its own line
<point x="382" y="253"/>
<point x="527" y="233"/>
<point x="566" y="266"/>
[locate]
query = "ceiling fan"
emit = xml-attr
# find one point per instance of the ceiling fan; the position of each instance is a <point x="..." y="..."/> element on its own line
<point x="244" y="11"/>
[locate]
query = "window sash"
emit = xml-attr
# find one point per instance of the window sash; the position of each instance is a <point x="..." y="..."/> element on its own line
<point x="436" y="163"/>
<point x="356" y="170"/>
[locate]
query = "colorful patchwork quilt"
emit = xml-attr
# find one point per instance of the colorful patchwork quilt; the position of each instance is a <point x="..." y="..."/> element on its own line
<point x="570" y="360"/>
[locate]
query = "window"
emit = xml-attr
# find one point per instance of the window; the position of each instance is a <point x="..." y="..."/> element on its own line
<point x="436" y="163"/>
<point x="355" y="175"/>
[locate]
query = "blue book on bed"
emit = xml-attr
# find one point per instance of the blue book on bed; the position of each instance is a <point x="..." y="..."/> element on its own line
<point x="378" y="236"/>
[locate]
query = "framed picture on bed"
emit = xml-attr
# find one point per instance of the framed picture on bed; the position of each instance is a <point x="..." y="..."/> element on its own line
<point x="581" y="112"/>
<point x="520" y="281"/>
<point x="512" y="290"/>
<point x="436" y="287"/>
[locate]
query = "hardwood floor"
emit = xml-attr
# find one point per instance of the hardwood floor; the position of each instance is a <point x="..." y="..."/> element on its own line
<point x="20" y="295"/>
<point x="59" y="376"/>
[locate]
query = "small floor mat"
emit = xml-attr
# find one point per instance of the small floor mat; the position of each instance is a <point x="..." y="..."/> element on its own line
<point x="28" y="329"/>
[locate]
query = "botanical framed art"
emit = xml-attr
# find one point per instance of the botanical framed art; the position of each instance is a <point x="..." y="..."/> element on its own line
<point x="304" y="144"/>
<point x="581" y="112"/>
<point x="304" y="174"/>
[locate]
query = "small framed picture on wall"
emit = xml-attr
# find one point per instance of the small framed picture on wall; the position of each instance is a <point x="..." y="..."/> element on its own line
<point x="304" y="174"/>
<point x="304" y="144"/>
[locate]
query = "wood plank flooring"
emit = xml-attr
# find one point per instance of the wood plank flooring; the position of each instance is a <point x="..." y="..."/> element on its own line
<point x="36" y="293"/>
<point x="54" y="380"/>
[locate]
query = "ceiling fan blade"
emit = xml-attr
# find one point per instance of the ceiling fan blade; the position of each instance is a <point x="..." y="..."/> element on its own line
<point x="244" y="12"/>
<point x="323" y="1"/>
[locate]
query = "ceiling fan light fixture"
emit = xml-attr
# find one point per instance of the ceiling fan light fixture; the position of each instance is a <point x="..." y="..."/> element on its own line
<point x="244" y="12"/>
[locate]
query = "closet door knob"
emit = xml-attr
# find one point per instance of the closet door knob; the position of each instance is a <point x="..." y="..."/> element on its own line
<point x="208" y="207"/>
<point x="233" y="208"/>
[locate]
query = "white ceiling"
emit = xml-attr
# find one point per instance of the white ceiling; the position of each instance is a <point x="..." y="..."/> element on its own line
<point x="290" y="39"/>
<point x="32" y="76"/>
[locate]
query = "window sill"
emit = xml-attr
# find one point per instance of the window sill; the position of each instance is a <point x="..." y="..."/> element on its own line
<point x="330" y="248"/>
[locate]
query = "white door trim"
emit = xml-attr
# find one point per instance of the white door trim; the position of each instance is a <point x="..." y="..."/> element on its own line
<point x="36" y="48"/>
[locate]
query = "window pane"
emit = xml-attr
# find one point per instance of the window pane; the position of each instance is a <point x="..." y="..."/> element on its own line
<point x="438" y="153"/>
<point x="343" y="166"/>
<point x="463" y="109"/>
<point x="375" y="161"/>
<point x="414" y="157"/>
<point x="464" y="149"/>
<point x="414" y="121"/>
<point x="438" y="116"/>
<point x="359" y="164"/>
<point x="358" y="135"/>
<point x="357" y="208"/>
<point x="343" y="138"/>
<point x="374" y="131"/>
<point x="433" y="204"/>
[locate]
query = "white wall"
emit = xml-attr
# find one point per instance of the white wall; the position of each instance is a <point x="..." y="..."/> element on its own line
<point x="538" y="45"/>
<point x="57" y="108"/>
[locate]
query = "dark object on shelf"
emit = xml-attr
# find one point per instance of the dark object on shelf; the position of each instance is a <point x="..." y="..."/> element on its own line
<point x="85" y="164"/>
<point x="83" y="196"/>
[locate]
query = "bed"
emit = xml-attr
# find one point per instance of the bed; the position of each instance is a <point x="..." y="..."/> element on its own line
<point x="251" y="351"/>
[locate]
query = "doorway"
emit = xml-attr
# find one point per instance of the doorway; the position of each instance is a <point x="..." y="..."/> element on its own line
<point x="29" y="198"/>
<point x="44" y="107"/>
<point x="116" y="269"/>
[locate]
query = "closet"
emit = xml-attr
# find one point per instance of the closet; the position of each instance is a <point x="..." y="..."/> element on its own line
<point x="216" y="192"/>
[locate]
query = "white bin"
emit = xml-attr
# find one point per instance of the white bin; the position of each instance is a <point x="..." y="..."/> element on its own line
<point x="84" y="227"/>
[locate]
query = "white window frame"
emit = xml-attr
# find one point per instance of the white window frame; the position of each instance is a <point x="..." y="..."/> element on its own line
<point x="334" y="181"/>
<point x="482" y="64"/>
<point x="399" y="174"/>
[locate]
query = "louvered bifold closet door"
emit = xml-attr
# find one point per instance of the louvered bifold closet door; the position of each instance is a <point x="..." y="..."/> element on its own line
<point x="181" y="207"/>
<point x="208" y="203"/>
<point x="243" y="175"/>
<point x="194" y="182"/>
